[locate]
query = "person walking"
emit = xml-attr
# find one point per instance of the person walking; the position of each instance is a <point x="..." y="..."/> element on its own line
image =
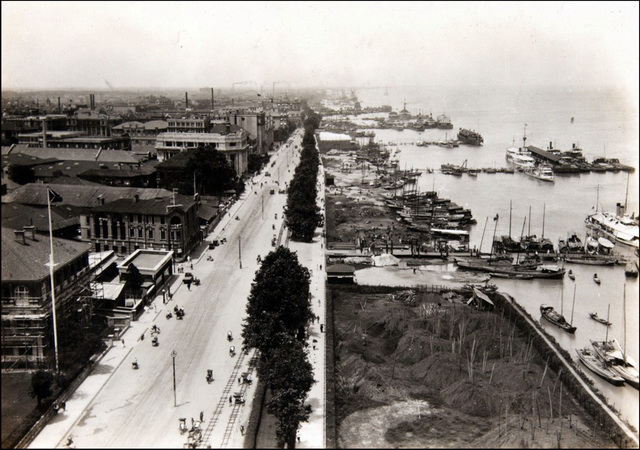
<point x="201" y="416"/>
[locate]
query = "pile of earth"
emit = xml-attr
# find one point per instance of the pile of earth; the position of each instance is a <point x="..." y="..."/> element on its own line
<point x="470" y="371"/>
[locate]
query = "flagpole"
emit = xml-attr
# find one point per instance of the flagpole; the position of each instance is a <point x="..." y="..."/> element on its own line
<point x="53" y="289"/>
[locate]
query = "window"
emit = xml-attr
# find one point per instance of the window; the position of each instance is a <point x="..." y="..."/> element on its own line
<point x="161" y="220"/>
<point x="163" y="235"/>
<point x="150" y="233"/>
<point x="123" y="249"/>
<point x="140" y="233"/>
<point x="21" y="291"/>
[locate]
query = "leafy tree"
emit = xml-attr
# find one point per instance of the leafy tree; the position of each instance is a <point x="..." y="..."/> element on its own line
<point x="290" y="410"/>
<point x="41" y="385"/>
<point x="278" y="302"/>
<point x="21" y="174"/>
<point x="133" y="280"/>
<point x="213" y="171"/>
<point x="76" y="344"/>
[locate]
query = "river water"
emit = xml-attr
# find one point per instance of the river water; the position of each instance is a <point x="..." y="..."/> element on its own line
<point x="605" y="125"/>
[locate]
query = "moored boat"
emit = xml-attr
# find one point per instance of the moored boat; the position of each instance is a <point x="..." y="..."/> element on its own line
<point x="631" y="269"/>
<point x="620" y="228"/>
<point x="597" y="366"/>
<point x="571" y="275"/>
<point x="556" y="318"/>
<point x="612" y="353"/>
<point x="541" y="172"/>
<point x="470" y="137"/>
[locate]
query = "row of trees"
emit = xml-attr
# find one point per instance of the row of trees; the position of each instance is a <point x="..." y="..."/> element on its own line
<point x="277" y="314"/>
<point x="302" y="213"/>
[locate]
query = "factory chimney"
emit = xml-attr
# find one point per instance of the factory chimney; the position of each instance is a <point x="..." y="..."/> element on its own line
<point x="186" y="100"/>
<point x="44" y="132"/>
<point x="212" y="107"/>
<point x="59" y="107"/>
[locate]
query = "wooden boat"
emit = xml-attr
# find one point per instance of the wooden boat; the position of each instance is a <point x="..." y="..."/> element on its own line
<point x="597" y="366"/>
<point x="612" y="354"/>
<point x="571" y="275"/>
<point x="596" y="278"/>
<point x="516" y="276"/>
<point x="556" y="318"/>
<point x="594" y="316"/>
<point x="593" y="260"/>
<point x="631" y="269"/>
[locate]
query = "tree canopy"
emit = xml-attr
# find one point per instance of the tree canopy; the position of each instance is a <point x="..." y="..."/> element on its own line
<point x="214" y="173"/>
<point x="41" y="385"/>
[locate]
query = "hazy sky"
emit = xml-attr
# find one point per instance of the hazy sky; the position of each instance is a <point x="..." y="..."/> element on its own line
<point x="215" y="44"/>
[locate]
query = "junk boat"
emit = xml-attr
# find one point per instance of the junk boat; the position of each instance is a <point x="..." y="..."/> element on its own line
<point x="556" y="318"/>
<point x="597" y="366"/>
<point x="611" y="353"/>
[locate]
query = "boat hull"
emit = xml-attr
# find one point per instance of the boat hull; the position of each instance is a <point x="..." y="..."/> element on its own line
<point x="596" y="366"/>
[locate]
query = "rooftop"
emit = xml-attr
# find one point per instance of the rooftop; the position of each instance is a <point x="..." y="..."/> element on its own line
<point x="26" y="262"/>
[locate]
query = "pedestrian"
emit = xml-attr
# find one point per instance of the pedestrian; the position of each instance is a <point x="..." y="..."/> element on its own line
<point x="242" y="430"/>
<point x="321" y="328"/>
<point x="123" y="343"/>
<point x="192" y="422"/>
<point x="230" y="399"/>
<point x="320" y="266"/>
<point x="201" y="416"/>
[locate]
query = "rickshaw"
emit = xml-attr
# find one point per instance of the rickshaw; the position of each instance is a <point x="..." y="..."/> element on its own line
<point x="209" y="375"/>
<point x="155" y="341"/>
<point x="183" y="425"/>
<point x="232" y="351"/>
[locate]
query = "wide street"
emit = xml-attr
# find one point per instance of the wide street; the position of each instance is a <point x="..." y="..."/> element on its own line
<point x="117" y="406"/>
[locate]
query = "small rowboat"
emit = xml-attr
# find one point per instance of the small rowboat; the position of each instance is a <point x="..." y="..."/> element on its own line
<point x="596" y="279"/>
<point x="571" y="275"/>
<point x="594" y="316"/>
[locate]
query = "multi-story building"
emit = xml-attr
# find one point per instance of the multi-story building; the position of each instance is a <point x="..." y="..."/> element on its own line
<point x="229" y="139"/>
<point x="129" y="224"/>
<point x="93" y="123"/>
<point x="141" y="133"/>
<point x="26" y="292"/>
<point x="189" y="125"/>
<point x="73" y="139"/>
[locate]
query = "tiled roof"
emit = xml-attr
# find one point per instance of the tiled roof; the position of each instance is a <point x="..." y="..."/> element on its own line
<point x="25" y="160"/>
<point x="132" y="124"/>
<point x="77" y="154"/>
<point x="16" y="216"/>
<point x="156" y="206"/>
<point x="26" y="262"/>
<point x="207" y="212"/>
<point x="82" y="196"/>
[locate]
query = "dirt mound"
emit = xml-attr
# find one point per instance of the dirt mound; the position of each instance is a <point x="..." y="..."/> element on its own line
<point x="476" y="399"/>
<point x="439" y="370"/>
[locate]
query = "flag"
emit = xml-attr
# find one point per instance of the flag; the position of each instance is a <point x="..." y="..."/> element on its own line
<point x="54" y="197"/>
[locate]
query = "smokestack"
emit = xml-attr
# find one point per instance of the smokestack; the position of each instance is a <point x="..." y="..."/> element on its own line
<point x="550" y="145"/>
<point x="44" y="133"/>
<point x="92" y="101"/>
<point x="59" y="107"/>
<point x="186" y="100"/>
<point x="620" y="210"/>
<point x="212" y="107"/>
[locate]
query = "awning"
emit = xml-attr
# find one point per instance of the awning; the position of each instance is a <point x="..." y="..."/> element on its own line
<point x="480" y="295"/>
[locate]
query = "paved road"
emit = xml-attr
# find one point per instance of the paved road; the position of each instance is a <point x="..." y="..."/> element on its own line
<point x="120" y="407"/>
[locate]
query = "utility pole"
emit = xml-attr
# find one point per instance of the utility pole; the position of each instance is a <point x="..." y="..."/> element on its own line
<point x="174" y="354"/>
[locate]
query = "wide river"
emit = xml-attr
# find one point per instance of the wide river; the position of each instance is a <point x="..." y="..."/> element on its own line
<point x="605" y="125"/>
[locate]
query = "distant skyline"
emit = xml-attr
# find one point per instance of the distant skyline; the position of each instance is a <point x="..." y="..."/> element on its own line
<point x="172" y="45"/>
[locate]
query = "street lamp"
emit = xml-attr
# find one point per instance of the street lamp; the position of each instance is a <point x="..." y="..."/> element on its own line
<point x="174" y="354"/>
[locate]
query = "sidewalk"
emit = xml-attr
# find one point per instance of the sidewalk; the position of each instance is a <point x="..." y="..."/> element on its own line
<point x="312" y="255"/>
<point x="54" y="434"/>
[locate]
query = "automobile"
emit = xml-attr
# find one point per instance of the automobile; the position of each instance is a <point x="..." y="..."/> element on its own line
<point x="267" y="174"/>
<point x="188" y="277"/>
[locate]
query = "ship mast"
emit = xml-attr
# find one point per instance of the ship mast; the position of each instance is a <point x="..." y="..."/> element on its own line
<point x="509" y="219"/>
<point x="524" y="138"/>
<point x="544" y="208"/>
<point x="626" y="195"/>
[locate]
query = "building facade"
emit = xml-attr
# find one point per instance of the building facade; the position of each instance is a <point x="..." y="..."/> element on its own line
<point x="27" y="322"/>
<point x="128" y="224"/>
<point x="229" y="139"/>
